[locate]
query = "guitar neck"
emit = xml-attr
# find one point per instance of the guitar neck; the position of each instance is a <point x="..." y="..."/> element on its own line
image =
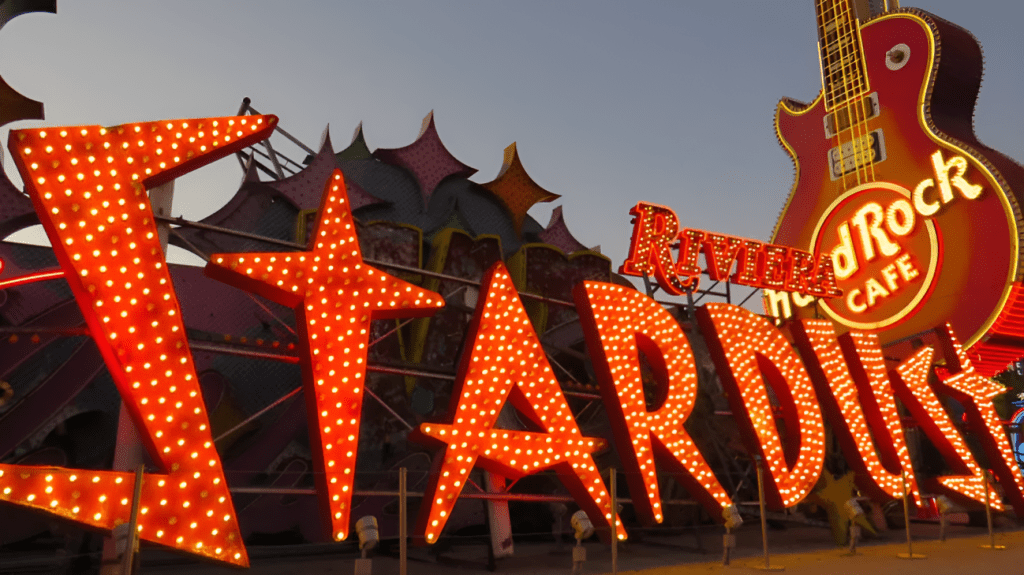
<point x="842" y="61"/>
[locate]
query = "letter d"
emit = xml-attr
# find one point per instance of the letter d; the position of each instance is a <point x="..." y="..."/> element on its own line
<point x="844" y="259"/>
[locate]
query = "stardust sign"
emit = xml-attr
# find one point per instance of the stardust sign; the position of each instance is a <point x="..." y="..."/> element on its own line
<point x="88" y="185"/>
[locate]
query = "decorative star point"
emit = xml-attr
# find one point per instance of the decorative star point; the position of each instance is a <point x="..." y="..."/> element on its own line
<point x="336" y="296"/>
<point x="427" y="159"/>
<point x="516" y="189"/>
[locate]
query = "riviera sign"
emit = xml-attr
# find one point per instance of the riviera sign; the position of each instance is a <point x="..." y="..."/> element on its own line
<point x="88" y="186"/>
<point x="656" y="233"/>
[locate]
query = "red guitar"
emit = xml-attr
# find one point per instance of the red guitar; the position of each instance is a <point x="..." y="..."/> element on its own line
<point x="922" y="220"/>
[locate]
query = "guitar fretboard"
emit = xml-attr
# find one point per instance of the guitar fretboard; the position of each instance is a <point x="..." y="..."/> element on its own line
<point x="842" y="62"/>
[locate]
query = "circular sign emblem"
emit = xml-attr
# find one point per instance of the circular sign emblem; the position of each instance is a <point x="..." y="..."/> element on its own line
<point x="885" y="255"/>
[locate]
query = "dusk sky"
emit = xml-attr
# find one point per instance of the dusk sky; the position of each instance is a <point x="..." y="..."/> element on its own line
<point x="610" y="103"/>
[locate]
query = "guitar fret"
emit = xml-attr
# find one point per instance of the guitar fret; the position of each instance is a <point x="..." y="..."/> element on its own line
<point x="837" y="45"/>
<point x="843" y="70"/>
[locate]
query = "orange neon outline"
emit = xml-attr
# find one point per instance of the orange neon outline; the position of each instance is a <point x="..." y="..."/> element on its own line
<point x="751" y="353"/>
<point x="30" y="278"/>
<point x="335" y="296"/>
<point x="88" y="185"/>
<point x="618" y="323"/>
<point x="975" y="393"/>
<point x="911" y="381"/>
<point x="504" y="364"/>
<point x="855" y="393"/>
<point x="927" y="284"/>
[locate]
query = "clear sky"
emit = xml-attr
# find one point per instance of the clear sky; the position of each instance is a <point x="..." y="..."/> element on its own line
<point x="610" y="102"/>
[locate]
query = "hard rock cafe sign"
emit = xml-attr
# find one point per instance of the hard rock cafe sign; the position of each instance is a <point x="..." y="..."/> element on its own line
<point x="921" y="220"/>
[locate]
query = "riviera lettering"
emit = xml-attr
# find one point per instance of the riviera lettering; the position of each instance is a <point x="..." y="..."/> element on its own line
<point x="656" y="233"/>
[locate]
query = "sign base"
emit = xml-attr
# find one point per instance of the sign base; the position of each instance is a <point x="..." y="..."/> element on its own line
<point x="364" y="567"/>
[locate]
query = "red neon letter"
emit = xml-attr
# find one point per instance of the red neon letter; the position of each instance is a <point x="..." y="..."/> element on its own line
<point x="824" y="283"/>
<point x="861" y="406"/>
<point x="750" y="353"/>
<point x="746" y="264"/>
<point x="655" y="229"/>
<point x="720" y="252"/>
<point x="799" y="272"/>
<point x="506" y="363"/>
<point x="774" y="262"/>
<point x="910" y="379"/>
<point x="618" y="323"/>
<point x="975" y="393"/>
<point x="88" y="185"/>
<point x="335" y="296"/>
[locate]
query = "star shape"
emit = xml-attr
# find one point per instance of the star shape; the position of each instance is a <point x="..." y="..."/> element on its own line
<point x="335" y="296"/>
<point x="832" y="495"/>
<point x="516" y="189"/>
<point x="426" y="158"/>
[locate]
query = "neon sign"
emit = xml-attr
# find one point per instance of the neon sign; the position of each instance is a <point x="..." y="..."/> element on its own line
<point x="885" y="255"/>
<point x="88" y="185"/>
<point x="656" y="233"/>
<point x="335" y="296"/>
<point x="505" y="364"/>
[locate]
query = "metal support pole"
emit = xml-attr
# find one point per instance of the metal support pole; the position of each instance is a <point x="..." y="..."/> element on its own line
<point x="132" y="542"/>
<point x="759" y="464"/>
<point x="906" y="519"/>
<point x="988" y="516"/>
<point x="727" y="543"/>
<point x="614" y="522"/>
<point x="403" y="534"/>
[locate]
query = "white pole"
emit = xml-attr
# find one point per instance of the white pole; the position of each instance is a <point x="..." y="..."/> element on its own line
<point x="402" y="527"/>
<point x="615" y="520"/>
<point x="131" y="542"/>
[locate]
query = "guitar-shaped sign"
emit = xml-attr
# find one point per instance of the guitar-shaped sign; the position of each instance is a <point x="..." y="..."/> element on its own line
<point x="921" y="219"/>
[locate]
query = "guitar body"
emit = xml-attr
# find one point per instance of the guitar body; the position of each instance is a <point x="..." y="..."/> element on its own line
<point x="957" y="258"/>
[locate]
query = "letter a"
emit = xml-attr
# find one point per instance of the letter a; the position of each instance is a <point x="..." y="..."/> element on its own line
<point x="618" y="323"/>
<point x="504" y="363"/>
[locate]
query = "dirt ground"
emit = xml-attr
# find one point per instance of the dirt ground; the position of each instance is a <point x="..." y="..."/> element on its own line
<point x="799" y="549"/>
